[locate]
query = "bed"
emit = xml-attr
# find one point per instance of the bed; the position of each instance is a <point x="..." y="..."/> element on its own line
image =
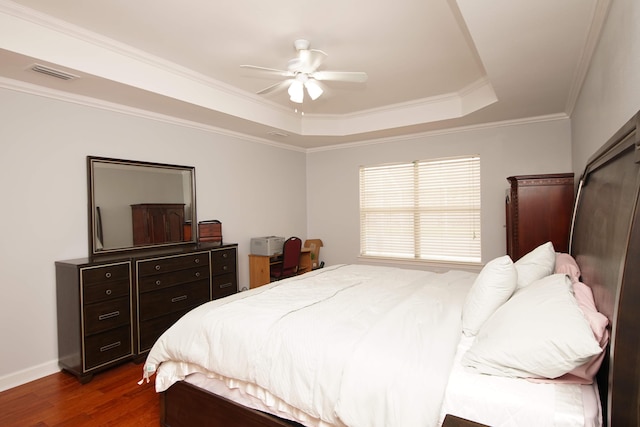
<point x="421" y="348"/>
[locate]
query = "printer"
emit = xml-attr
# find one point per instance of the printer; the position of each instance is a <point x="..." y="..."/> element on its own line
<point x="267" y="246"/>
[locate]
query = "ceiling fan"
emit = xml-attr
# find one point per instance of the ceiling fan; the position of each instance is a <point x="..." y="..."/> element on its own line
<point x="302" y="73"/>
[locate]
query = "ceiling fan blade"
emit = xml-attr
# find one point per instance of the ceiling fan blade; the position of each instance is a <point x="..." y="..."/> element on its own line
<point x="295" y="65"/>
<point x="307" y="61"/>
<point x="315" y="59"/>
<point x="275" y="87"/>
<point x="341" y="76"/>
<point x="268" y="71"/>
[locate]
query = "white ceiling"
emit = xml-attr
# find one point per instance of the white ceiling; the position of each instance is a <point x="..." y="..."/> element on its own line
<point x="432" y="64"/>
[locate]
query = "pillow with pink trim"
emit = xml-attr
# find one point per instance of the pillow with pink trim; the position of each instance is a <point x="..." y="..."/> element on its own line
<point x="586" y="373"/>
<point x="566" y="264"/>
<point x="540" y="332"/>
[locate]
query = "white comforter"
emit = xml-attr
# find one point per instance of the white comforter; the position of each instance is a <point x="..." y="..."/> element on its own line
<point x="348" y="345"/>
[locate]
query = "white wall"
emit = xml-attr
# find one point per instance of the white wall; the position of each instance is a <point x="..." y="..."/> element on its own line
<point x="610" y="95"/>
<point x="253" y="188"/>
<point x="505" y="150"/>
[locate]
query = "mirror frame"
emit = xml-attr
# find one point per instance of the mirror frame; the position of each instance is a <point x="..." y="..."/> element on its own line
<point x="94" y="214"/>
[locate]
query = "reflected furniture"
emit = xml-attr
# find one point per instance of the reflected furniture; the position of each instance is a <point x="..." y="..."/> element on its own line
<point x="260" y="267"/>
<point x="538" y="210"/>
<point x="110" y="311"/>
<point x="155" y="223"/>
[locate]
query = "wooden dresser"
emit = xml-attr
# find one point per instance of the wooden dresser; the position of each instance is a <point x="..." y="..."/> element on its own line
<point x="539" y="209"/>
<point x="224" y="274"/>
<point x="166" y="288"/>
<point x="95" y="324"/>
<point x="110" y="311"/>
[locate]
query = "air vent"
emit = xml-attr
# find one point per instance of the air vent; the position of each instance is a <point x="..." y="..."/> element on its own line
<point x="53" y="72"/>
<point x="279" y="134"/>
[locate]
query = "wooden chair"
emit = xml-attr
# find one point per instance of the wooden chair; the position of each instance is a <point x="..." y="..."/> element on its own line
<point x="290" y="259"/>
<point x="314" y="246"/>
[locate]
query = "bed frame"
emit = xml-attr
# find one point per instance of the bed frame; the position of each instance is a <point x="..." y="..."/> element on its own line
<point x="606" y="244"/>
<point x="605" y="241"/>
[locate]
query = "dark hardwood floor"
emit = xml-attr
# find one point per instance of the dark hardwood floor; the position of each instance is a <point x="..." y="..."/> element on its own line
<point x="112" y="398"/>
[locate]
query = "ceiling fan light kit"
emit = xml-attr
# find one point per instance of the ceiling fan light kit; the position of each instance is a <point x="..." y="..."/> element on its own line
<point x="301" y="82"/>
<point x="313" y="89"/>
<point x="296" y="92"/>
<point x="302" y="73"/>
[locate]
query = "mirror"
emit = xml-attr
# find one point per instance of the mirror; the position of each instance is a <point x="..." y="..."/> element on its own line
<point x="139" y="205"/>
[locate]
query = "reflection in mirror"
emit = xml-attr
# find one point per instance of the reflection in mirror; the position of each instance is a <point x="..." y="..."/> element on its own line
<point x="139" y="204"/>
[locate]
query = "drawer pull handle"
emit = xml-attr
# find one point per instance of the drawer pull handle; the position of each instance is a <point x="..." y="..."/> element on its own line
<point x="225" y="268"/>
<point x="108" y="292"/>
<point x="107" y="275"/>
<point x="109" y="315"/>
<point x="157" y="267"/>
<point x="225" y="285"/>
<point x="158" y="282"/>
<point x="180" y="298"/>
<point x="110" y="346"/>
<point x="197" y="260"/>
<point x="225" y="255"/>
<point x="197" y="274"/>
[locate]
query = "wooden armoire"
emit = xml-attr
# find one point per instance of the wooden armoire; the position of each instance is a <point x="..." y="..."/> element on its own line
<point x="155" y="223"/>
<point x="539" y="209"/>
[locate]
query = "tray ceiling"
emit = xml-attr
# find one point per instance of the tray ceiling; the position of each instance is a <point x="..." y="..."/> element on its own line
<point x="432" y="64"/>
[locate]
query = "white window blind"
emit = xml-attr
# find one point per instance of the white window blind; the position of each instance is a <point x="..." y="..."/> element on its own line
<point x="425" y="210"/>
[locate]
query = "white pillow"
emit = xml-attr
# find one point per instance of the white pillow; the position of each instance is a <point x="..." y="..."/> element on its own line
<point x="535" y="265"/>
<point x="493" y="286"/>
<point x="539" y="333"/>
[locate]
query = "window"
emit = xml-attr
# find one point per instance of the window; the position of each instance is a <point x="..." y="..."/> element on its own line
<point x="424" y="210"/>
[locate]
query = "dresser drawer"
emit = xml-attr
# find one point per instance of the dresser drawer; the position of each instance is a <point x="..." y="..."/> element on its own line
<point x="105" y="273"/>
<point x="160" y="281"/>
<point x="174" y="263"/>
<point x="150" y="330"/>
<point x="223" y="261"/>
<point x="106" y="315"/>
<point x="107" y="347"/>
<point x="224" y="285"/>
<point x="175" y="298"/>
<point x="105" y="290"/>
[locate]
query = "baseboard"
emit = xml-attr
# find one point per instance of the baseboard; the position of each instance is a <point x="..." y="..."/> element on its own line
<point x="27" y="375"/>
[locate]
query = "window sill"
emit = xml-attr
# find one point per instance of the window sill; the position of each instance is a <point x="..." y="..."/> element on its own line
<point x="435" y="266"/>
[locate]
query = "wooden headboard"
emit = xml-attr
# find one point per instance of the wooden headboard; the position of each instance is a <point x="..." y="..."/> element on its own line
<point x="605" y="241"/>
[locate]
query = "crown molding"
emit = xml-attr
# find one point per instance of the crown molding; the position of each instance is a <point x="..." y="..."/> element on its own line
<point x="31" y="89"/>
<point x="28" y="88"/>
<point x="447" y="131"/>
<point x="470" y="98"/>
<point x="601" y="10"/>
